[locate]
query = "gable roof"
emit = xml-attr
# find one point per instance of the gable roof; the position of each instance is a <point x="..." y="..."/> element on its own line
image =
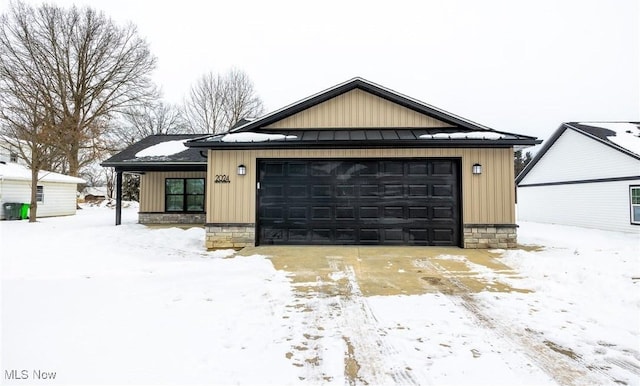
<point x="159" y="152"/>
<point x="16" y="172"/>
<point x="457" y="132"/>
<point x="622" y="136"/>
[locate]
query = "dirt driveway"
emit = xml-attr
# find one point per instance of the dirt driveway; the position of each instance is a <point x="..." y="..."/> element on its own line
<point x="334" y="291"/>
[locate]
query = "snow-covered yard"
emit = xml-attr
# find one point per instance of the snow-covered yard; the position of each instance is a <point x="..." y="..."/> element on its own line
<point x="99" y="304"/>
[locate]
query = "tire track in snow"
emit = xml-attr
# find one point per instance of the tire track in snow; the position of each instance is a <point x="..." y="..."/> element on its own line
<point x="559" y="364"/>
<point x="370" y="360"/>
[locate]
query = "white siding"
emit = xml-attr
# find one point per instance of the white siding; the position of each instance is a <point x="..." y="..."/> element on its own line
<point x="603" y="205"/>
<point x="59" y="198"/>
<point x="575" y="157"/>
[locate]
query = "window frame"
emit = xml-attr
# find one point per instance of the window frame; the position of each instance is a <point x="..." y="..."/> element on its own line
<point x="184" y="195"/>
<point x="40" y="194"/>
<point x="633" y="220"/>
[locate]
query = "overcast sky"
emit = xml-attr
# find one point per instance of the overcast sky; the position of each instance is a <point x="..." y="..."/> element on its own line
<point x="519" y="66"/>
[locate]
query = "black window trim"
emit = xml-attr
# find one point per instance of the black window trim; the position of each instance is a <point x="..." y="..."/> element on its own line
<point x="184" y="195"/>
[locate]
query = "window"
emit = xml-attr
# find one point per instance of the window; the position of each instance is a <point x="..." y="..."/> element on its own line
<point x="184" y="195"/>
<point x="39" y="193"/>
<point x="634" y="195"/>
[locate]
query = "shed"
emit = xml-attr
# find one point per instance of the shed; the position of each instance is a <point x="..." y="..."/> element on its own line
<point x="56" y="194"/>
<point x="586" y="175"/>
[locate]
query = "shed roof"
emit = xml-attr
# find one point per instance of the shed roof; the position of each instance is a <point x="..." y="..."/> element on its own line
<point x="159" y="152"/>
<point x="16" y="172"/>
<point x="461" y="132"/>
<point x="622" y="136"/>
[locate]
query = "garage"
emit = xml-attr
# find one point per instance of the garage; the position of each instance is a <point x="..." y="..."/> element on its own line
<point x="360" y="164"/>
<point x="358" y="202"/>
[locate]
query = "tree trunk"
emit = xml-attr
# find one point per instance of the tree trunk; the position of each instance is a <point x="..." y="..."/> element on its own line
<point x="34" y="189"/>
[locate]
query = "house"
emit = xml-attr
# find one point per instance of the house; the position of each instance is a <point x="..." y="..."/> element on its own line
<point x="165" y="165"/>
<point x="9" y="154"/>
<point x="356" y="164"/>
<point x="56" y="193"/>
<point x="94" y="194"/>
<point x="586" y="175"/>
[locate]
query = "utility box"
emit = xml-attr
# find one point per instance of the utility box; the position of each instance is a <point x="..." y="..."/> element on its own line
<point x="11" y="210"/>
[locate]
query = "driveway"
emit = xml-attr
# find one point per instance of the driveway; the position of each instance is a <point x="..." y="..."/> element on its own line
<point x="410" y="315"/>
<point x="392" y="270"/>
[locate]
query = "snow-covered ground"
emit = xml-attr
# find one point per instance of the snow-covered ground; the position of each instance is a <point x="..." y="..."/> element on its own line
<point x="99" y="304"/>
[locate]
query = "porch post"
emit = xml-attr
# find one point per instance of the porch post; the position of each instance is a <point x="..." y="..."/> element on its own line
<point x="118" y="197"/>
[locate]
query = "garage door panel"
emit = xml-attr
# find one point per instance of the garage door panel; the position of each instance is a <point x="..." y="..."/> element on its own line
<point x="442" y="236"/>
<point x="369" y="235"/>
<point x="418" y="190"/>
<point x="393" y="190"/>
<point x="442" y="168"/>
<point x="394" y="201"/>
<point x="297" y="191"/>
<point x="440" y="213"/>
<point x="345" y="213"/>
<point x="321" y="235"/>
<point x="298" y="213"/>
<point x="439" y="190"/>
<point x="321" y="213"/>
<point x="369" y="191"/>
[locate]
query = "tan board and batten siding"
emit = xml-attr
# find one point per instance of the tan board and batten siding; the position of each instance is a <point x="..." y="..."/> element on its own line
<point x="356" y="109"/>
<point x="488" y="198"/>
<point x="152" y="188"/>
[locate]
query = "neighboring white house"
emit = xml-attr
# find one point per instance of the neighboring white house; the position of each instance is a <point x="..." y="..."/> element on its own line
<point x="587" y="175"/>
<point x="56" y="193"/>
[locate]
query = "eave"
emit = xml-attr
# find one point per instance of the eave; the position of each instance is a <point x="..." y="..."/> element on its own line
<point x="142" y="167"/>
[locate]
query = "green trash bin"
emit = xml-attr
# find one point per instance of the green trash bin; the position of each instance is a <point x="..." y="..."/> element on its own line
<point x="24" y="211"/>
<point x="11" y="210"/>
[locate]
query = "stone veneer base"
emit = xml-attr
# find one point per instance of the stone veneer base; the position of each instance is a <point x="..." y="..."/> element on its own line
<point x="171" y="218"/>
<point x="482" y="236"/>
<point x="220" y="236"/>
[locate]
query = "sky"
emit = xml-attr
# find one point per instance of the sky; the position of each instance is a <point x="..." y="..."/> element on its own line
<point x="516" y="66"/>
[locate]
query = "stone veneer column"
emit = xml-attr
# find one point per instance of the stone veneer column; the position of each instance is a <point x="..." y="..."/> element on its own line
<point x="490" y="236"/>
<point x="221" y="236"/>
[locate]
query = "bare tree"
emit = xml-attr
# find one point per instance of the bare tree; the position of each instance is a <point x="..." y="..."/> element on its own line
<point x="27" y="128"/>
<point x="86" y="68"/>
<point x="154" y="117"/>
<point x="218" y="101"/>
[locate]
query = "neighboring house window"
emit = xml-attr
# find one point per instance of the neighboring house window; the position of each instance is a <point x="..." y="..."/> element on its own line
<point x="634" y="193"/>
<point x="184" y="194"/>
<point x="13" y="157"/>
<point x="39" y="193"/>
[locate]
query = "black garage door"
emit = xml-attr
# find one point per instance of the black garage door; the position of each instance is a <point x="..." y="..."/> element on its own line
<point x="382" y="201"/>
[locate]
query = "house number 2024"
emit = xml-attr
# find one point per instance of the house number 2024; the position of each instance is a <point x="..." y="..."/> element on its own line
<point x="222" y="179"/>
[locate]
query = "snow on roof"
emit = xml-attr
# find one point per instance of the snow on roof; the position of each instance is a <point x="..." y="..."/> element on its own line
<point x="627" y="134"/>
<point x="255" y="137"/>
<point x="163" y="149"/>
<point x="14" y="171"/>
<point x="465" y="135"/>
<point x="95" y="190"/>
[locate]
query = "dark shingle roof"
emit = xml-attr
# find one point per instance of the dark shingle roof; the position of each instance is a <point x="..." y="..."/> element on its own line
<point x="189" y="159"/>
